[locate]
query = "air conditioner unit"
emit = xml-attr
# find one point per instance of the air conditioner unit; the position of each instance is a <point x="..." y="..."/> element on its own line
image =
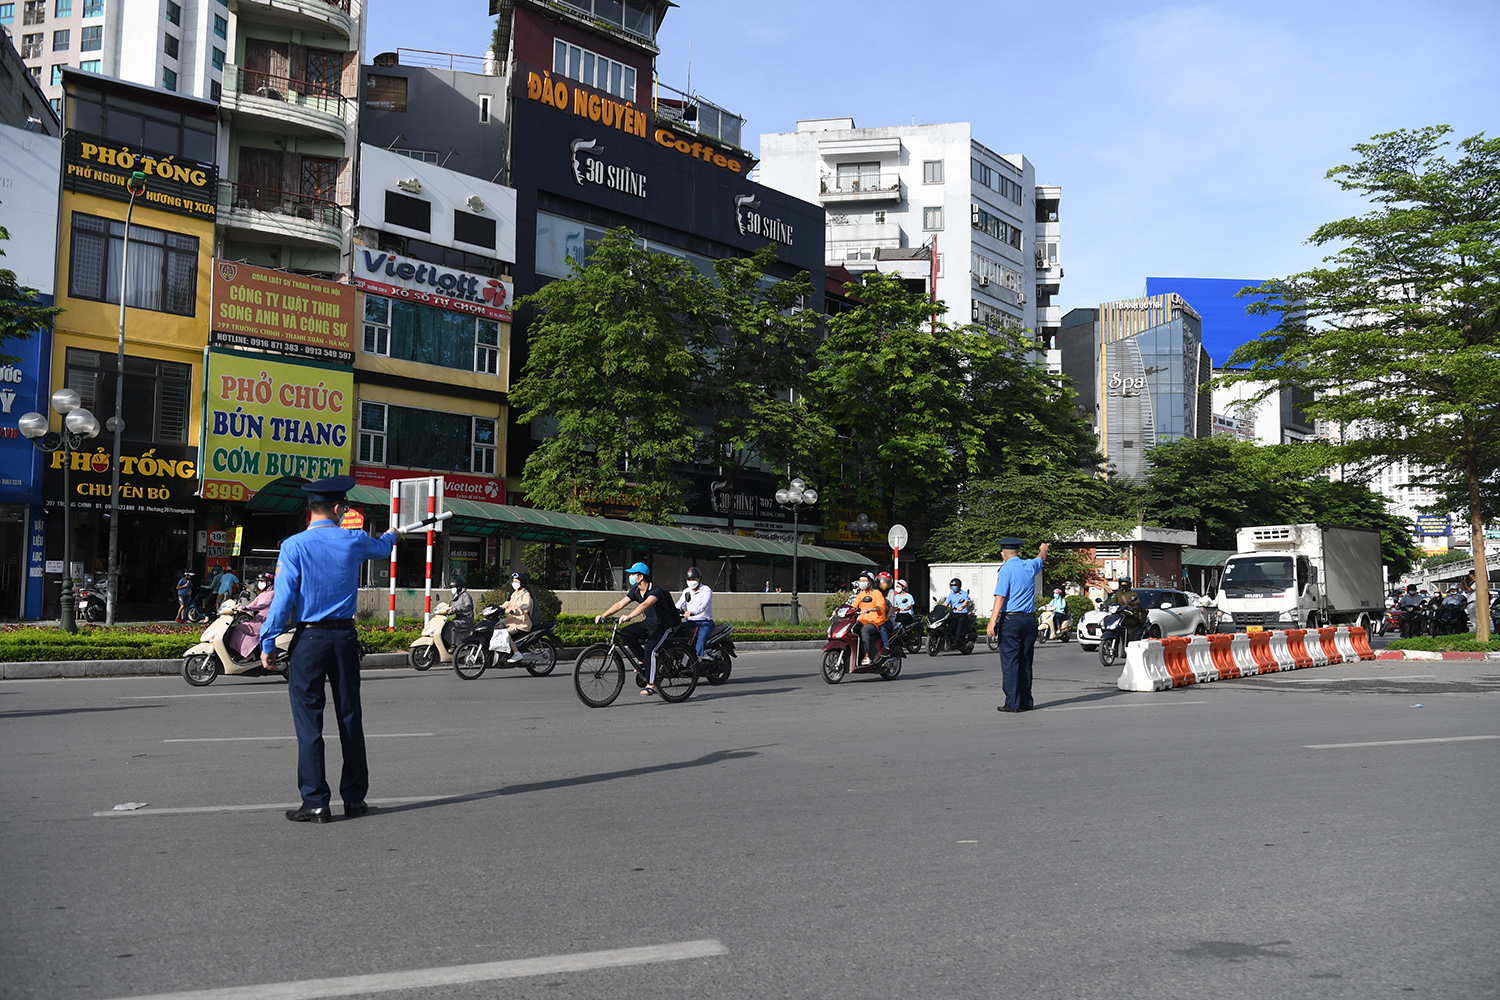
<point x="1020" y="298"/>
<point x="984" y="282"/>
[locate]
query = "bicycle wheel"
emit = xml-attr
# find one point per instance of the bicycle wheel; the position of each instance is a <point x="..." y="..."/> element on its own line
<point x="599" y="675"/>
<point x="469" y="661"/>
<point x="676" y="672"/>
<point x="1109" y="650"/>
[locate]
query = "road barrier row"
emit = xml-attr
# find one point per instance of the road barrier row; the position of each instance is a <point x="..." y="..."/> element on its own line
<point x="1173" y="662"/>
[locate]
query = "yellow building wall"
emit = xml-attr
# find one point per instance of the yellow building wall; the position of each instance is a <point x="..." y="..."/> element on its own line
<point x="94" y="326"/>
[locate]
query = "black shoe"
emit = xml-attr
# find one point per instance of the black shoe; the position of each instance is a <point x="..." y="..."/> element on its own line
<point x="353" y="809"/>
<point x="1007" y="708"/>
<point x="306" y="815"/>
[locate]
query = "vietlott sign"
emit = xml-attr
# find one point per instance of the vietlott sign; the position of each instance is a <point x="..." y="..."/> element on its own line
<point x="267" y="418"/>
<point x="160" y="480"/>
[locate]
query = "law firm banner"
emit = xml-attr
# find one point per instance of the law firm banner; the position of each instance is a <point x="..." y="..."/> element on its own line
<point x="265" y="310"/>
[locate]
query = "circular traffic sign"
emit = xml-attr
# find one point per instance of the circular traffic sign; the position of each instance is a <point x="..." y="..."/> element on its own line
<point x="897" y="536"/>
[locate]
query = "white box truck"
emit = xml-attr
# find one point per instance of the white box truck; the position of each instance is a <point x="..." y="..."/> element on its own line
<point x="1301" y="576"/>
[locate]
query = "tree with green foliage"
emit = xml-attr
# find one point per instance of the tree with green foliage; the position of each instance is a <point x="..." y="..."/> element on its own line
<point x="1217" y="485"/>
<point x="1400" y="337"/>
<point x="21" y="311"/>
<point x="610" y="368"/>
<point x="915" y="414"/>
<point x="752" y="365"/>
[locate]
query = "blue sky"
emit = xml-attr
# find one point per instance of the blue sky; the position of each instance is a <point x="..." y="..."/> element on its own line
<point x="1188" y="139"/>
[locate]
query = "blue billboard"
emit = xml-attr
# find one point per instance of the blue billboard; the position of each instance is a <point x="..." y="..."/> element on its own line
<point x="23" y="385"/>
<point x="1225" y="322"/>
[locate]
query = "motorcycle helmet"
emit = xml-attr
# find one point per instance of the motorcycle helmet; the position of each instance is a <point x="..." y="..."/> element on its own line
<point x="1057" y="593"/>
<point x="884" y="579"/>
<point x="1124" y="583"/>
<point x="900" y="584"/>
<point x="864" y="580"/>
<point x="955" y="584"/>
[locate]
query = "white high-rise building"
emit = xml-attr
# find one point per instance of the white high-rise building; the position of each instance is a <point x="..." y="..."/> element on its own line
<point x="889" y="192"/>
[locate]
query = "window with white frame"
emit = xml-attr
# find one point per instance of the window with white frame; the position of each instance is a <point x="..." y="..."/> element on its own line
<point x="395" y="328"/>
<point x="425" y="155"/>
<point x="932" y="171"/>
<point x="932" y="218"/>
<point x="413" y="438"/>
<point x="593" y="70"/>
<point x="994" y="272"/>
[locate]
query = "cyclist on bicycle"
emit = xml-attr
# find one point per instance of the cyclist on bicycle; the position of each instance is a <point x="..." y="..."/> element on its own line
<point x="661" y="617"/>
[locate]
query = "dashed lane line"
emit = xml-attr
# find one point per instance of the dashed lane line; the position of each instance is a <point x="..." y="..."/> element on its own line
<point x="452" y="975"/>
<point x="1133" y="704"/>
<point x="288" y="736"/>
<point x="1397" y="743"/>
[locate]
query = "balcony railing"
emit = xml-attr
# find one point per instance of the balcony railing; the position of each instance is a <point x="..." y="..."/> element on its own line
<point x="865" y="187"/>
<point x="291" y="204"/>
<point x="280" y="87"/>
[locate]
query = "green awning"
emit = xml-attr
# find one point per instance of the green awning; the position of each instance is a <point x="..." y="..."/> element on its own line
<point x="1212" y="558"/>
<point x="493" y="520"/>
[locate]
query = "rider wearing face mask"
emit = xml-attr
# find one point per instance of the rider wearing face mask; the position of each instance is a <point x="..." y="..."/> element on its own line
<point x="654" y="605"/>
<point x="962" y="604"/>
<point x="520" y="607"/>
<point x="870" y="603"/>
<point x="697" y="606"/>
<point x="463" y="614"/>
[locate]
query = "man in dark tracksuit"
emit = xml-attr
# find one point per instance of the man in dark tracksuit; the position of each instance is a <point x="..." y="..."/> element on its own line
<point x="654" y="605"/>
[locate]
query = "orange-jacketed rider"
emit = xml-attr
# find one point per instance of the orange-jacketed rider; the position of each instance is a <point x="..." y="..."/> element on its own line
<point x="870" y="603"/>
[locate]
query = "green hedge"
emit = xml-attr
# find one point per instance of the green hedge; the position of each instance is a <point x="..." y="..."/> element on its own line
<point x="26" y="644"/>
<point x="1464" y="642"/>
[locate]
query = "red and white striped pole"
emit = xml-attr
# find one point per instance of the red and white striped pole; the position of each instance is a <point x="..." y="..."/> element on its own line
<point x="432" y="488"/>
<point x="395" y="522"/>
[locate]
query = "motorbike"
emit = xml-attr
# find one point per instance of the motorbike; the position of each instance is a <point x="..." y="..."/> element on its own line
<point x="535" y="650"/>
<point x="1113" y="638"/>
<point x="89" y="604"/>
<point x="217" y="653"/>
<point x="842" y="653"/>
<point x="940" y="631"/>
<point x="718" y="650"/>
<point x="1413" y="620"/>
<point x="435" y="644"/>
<point x="1048" y="628"/>
<point x="911" y="631"/>
<point x="1450" y="619"/>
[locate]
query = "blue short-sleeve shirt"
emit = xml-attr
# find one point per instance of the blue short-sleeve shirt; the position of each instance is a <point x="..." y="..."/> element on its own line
<point x="1016" y="582"/>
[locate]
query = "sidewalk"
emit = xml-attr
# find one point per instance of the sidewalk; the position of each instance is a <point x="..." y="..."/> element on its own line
<point x="374" y="661"/>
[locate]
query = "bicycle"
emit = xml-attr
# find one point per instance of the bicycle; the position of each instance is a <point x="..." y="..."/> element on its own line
<point x="599" y="671"/>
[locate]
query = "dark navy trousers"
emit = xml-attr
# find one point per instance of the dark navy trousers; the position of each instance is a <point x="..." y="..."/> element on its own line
<point x="334" y="654"/>
<point x="1017" y="635"/>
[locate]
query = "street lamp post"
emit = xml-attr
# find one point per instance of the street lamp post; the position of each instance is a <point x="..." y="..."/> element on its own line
<point x="136" y="185"/>
<point x="78" y="426"/>
<point x="795" y="497"/>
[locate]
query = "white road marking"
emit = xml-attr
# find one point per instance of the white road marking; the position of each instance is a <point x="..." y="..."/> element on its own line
<point x="288" y="736"/>
<point x="1341" y="680"/>
<point x="451" y="975"/>
<point x="1396" y="743"/>
<point x="264" y="806"/>
<point x="238" y="693"/>
<point x="1134" y="704"/>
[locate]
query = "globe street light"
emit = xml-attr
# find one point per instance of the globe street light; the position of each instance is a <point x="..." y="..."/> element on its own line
<point x="795" y="497"/>
<point x="78" y="426"/>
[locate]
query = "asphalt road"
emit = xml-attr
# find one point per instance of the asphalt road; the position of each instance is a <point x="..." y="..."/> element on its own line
<point x="781" y="837"/>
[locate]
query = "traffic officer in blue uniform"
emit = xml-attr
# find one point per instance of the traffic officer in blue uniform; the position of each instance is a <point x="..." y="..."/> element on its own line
<point x="1013" y="618"/>
<point x="317" y="583"/>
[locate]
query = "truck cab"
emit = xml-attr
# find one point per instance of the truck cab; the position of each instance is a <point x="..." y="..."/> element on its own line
<point x="1300" y="576"/>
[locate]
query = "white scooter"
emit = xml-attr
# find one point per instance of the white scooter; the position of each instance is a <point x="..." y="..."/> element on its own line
<point x="432" y="646"/>
<point x="213" y="655"/>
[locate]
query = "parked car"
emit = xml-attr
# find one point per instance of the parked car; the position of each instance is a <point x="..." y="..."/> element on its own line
<point x="1172" y="612"/>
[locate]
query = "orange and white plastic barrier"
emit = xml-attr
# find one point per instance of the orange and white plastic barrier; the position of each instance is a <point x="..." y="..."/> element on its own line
<point x="1163" y="664"/>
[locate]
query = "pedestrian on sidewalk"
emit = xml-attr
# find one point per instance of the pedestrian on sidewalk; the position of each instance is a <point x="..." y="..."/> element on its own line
<point x="184" y="595"/>
<point x="317" y="587"/>
<point x="1013" y="618"/>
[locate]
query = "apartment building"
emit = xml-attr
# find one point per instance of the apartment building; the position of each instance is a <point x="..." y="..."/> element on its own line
<point x="932" y="204"/>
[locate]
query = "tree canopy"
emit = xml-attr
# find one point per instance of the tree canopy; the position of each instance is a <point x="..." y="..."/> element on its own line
<point x="21" y="309"/>
<point x="1399" y="336"/>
